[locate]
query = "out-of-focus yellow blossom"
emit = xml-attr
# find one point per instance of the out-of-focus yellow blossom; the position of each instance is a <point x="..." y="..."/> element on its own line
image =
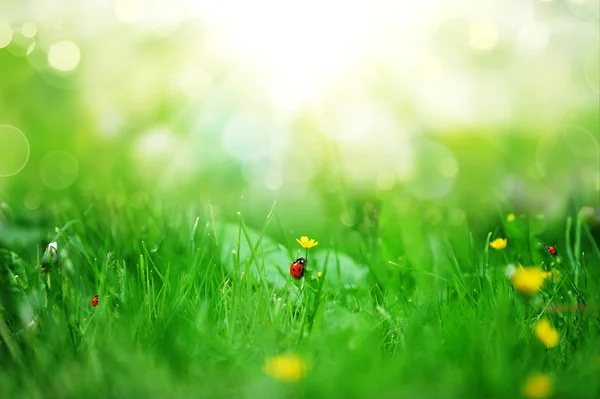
<point x="499" y="243"/>
<point x="320" y="274"/>
<point x="306" y="243"/>
<point x="528" y="280"/>
<point x="546" y="333"/>
<point x="546" y="274"/>
<point x="553" y="274"/>
<point x="510" y="217"/>
<point x="537" y="386"/>
<point x="287" y="368"/>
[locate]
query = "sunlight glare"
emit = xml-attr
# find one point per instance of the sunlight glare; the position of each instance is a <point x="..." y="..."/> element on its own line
<point x="301" y="49"/>
<point x="129" y="11"/>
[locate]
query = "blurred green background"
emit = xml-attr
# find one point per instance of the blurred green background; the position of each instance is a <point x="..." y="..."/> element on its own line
<point x="315" y="105"/>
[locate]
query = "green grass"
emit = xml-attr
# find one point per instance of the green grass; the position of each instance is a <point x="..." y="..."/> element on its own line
<point x="192" y="302"/>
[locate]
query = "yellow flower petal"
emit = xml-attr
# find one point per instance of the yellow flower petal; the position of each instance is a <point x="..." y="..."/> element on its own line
<point x="499" y="243"/>
<point x="528" y="280"/>
<point x="306" y="243"/>
<point x="546" y="333"/>
<point x="537" y="386"/>
<point x="287" y="368"/>
<point x="510" y="217"/>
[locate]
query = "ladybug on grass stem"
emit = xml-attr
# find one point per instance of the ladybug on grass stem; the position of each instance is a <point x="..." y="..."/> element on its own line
<point x="297" y="268"/>
<point x="551" y="249"/>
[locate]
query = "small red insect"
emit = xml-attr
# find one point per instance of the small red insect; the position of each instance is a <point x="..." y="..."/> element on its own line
<point x="297" y="268"/>
<point x="95" y="301"/>
<point x="551" y="250"/>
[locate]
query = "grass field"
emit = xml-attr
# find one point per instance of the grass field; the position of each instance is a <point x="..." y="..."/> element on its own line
<point x="162" y="161"/>
<point x="200" y="307"/>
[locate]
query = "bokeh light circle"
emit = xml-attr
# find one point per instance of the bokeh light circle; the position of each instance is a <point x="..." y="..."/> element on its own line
<point x="58" y="170"/>
<point x="273" y="179"/>
<point x="129" y="11"/>
<point x="532" y="37"/>
<point x="456" y="217"/>
<point x="568" y="151"/>
<point x="448" y="167"/>
<point x="580" y="141"/>
<point x="483" y="35"/>
<point x="385" y="181"/>
<point x="348" y="217"/>
<point x="14" y="150"/>
<point x="434" y="171"/>
<point x="587" y="9"/>
<point x="64" y="56"/>
<point x="29" y="29"/>
<point x="32" y="200"/>
<point x="6" y="34"/>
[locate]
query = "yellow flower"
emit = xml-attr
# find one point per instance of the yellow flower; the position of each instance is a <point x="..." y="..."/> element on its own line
<point x="528" y="280"/>
<point x="537" y="386"/>
<point x="498" y="243"/>
<point x="287" y="368"/>
<point x="320" y="274"/>
<point x="546" y="274"/>
<point x="510" y="217"/>
<point x="546" y="333"/>
<point x="306" y="243"/>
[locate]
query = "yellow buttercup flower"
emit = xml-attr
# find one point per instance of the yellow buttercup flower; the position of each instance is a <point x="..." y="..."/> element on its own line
<point x="499" y="243"/>
<point x="546" y="333"/>
<point x="320" y="274"/>
<point x="287" y="368"/>
<point x="537" y="386"/>
<point x="306" y="243"/>
<point x="510" y="217"/>
<point x="529" y="279"/>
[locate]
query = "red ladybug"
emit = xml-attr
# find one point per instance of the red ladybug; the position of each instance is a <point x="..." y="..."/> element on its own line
<point x="297" y="268"/>
<point x="551" y="250"/>
<point x="95" y="301"/>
